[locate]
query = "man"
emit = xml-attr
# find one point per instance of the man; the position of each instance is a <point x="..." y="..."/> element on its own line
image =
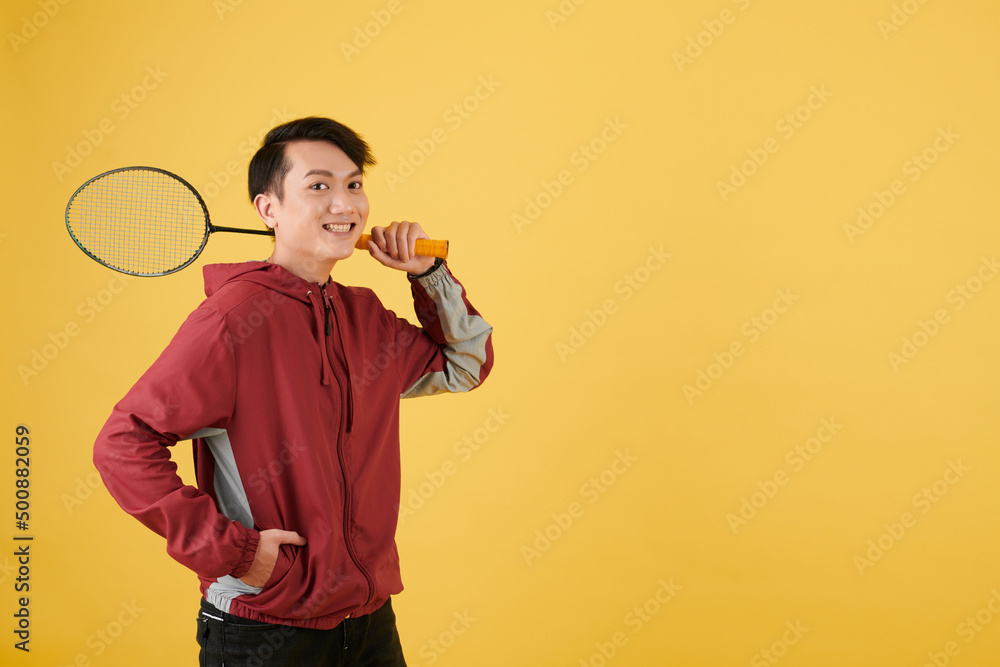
<point x="289" y="384"/>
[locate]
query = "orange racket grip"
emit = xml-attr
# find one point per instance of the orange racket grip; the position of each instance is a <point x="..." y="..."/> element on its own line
<point x="424" y="247"/>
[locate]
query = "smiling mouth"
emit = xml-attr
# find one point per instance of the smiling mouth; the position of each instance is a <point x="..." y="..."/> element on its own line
<point x="339" y="226"/>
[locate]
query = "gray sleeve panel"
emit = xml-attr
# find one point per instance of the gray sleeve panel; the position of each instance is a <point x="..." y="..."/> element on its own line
<point x="232" y="500"/>
<point x="205" y="433"/>
<point x="466" y="337"/>
<point x="435" y="383"/>
<point x="222" y="592"/>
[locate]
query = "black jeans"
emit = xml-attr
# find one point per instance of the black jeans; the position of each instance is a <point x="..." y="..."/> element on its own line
<point x="231" y="641"/>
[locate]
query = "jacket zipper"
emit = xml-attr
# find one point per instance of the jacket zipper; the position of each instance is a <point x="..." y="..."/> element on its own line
<point x="343" y="465"/>
<point x="326" y="310"/>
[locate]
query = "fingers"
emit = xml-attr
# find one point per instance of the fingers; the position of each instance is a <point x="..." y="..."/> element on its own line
<point x="378" y="238"/>
<point x="278" y="536"/>
<point x="395" y="241"/>
<point x="398" y="240"/>
<point x="291" y="537"/>
<point x="407" y="240"/>
<point x="395" y="247"/>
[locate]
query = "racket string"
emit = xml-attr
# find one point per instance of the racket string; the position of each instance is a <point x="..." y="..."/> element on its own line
<point x="139" y="221"/>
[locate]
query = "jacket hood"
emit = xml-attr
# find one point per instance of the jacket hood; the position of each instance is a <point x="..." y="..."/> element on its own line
<point x="283" y="281"/>
<point x="265" y="274"/>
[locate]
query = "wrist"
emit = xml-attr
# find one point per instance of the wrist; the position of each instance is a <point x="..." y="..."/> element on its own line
<point x="430" y="269"/>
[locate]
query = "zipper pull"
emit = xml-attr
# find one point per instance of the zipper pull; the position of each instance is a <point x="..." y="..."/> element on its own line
<point x="326" y="304"/>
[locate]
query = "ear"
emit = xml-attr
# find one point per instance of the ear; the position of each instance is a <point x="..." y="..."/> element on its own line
<point x="264" y="205"/>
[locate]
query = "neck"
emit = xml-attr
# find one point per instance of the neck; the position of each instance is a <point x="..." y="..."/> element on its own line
<point x="314" y="272"/>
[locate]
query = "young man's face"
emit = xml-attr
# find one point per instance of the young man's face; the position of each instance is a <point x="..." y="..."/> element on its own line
<point x="322" y="212"/>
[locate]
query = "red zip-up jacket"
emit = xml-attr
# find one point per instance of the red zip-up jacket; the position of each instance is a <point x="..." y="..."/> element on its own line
<point x="291" y="391"/>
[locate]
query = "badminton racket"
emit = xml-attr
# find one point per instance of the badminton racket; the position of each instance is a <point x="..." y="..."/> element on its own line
<point x="145" y="221"/>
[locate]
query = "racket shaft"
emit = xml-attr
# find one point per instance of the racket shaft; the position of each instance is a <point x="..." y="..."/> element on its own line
<point x="424" y="247"/>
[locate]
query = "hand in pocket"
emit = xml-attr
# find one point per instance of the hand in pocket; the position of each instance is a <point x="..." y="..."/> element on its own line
<point x="267" y="554"/>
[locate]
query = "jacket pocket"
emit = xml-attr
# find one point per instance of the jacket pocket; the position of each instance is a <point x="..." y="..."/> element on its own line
<point x="282" y="564"/>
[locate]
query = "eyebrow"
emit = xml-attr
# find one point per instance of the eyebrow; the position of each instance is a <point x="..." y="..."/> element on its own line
<point x="329" y="174"/>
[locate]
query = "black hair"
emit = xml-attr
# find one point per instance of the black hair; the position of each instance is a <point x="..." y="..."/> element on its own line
<point x="269" y="165"/>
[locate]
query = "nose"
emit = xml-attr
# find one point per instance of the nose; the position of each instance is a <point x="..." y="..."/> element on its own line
<point x="342" y="202"/>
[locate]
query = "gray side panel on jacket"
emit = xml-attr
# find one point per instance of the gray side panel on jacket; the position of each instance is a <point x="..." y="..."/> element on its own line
<point x="466" y="337"/>
<point x="232" y="501"/>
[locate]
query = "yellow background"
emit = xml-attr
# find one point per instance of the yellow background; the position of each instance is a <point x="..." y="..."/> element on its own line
<point x="230" y="70"/>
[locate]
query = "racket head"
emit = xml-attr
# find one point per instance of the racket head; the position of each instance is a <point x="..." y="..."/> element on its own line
<point x="142" y="221"/>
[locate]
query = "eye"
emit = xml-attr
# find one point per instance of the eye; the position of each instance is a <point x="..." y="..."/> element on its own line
<point x="319" y="186"/>
<point x="356" y="185"/>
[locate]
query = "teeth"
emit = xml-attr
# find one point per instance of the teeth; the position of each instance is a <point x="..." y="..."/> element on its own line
<point x="343" y="227"/>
